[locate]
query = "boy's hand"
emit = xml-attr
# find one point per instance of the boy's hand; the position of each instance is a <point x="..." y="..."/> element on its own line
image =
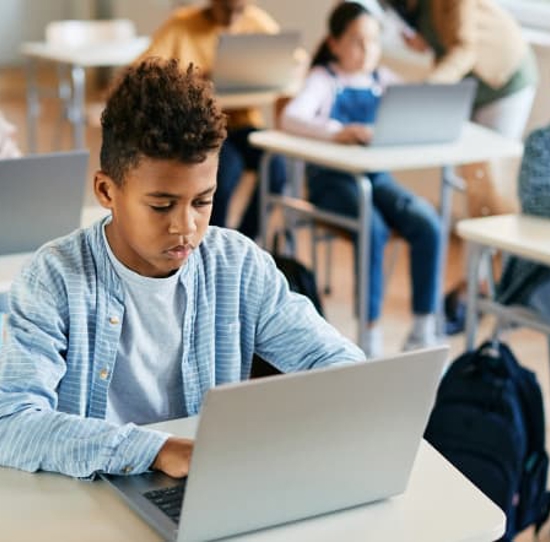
<point x="174" y="457"/>
<point x="353" y="134"/>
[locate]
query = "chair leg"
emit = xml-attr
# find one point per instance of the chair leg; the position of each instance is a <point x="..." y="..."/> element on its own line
<point x="390" y="261"/>
<point x="328" y="265"/>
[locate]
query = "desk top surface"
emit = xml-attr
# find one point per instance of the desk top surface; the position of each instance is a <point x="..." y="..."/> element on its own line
<point x="521" y="235"/>
<point x="475" y="144"/>
<point x="440" y="505"/>
<point x="114" y="53"/>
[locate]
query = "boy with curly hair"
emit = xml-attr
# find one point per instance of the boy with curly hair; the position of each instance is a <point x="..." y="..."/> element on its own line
<point x="132" y="320"/>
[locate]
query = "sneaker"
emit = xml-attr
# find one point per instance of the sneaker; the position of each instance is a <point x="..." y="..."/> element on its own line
<point x="375" y="343"/>
<point x="416" y="341"/>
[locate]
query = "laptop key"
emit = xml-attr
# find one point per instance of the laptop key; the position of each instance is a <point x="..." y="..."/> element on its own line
<point x="168" y="499"/>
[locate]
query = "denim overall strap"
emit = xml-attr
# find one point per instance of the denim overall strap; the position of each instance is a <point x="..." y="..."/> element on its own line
<point x="357" y="105"/>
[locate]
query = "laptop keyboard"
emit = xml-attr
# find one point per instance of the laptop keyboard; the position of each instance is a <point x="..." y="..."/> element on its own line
<point x="168" y="499"/>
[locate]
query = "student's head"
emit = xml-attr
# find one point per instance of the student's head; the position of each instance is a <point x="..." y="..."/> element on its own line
<point x="353" y="40"/>
<point x="162" y="132"/>
<point x="227" y="12"/>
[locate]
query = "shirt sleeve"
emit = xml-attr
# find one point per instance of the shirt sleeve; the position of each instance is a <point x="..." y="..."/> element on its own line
<point x="291" y="334"/>
<point x="167" y="42"/>
<point x="534" y="176"/>
<point x="34" y="435"/>
<point x="308" y="113"/>
<point x="461" y="35"/>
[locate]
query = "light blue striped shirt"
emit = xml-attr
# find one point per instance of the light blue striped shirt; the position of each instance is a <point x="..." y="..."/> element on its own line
<point x="64" y="327"/>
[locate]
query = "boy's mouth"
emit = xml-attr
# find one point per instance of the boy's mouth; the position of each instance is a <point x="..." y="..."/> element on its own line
<point x="179" y="252"/>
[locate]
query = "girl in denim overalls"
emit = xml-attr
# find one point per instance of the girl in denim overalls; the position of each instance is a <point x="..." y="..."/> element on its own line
<point x="338" y="102"/>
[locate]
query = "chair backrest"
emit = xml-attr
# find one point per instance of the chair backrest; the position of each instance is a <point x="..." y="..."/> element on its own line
<point x="79" y="33"/>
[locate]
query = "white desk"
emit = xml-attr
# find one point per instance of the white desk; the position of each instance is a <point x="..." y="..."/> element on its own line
<point x="476" y="144"/>
<point x="520" y="235"/>
<point x="109" y="54"/>
<point x="113" y="54"/>
<point x="440" y="505"/>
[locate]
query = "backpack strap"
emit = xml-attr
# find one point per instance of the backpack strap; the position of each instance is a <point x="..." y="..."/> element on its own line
<point x="531" y="398"/>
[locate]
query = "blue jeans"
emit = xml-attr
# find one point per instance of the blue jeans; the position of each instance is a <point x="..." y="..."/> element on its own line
<point x="395" y="208"/>
<point x="236" y="157"/>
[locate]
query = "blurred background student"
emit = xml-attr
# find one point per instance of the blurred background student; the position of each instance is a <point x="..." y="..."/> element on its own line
<point x="525" y="282"/>
<point x="338" y="102"/>
<point x="8" y="145"/>
<point x="191" y="35"/>
<point x="479" y="39"/>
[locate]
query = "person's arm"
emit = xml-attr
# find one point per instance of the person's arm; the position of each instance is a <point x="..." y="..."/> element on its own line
<point x="534" y="176"/>
<point x="308" y="112"/>
<point x="34" y="435"/>
<point x="167" y="42"/>
<point x="460" y="41"/>
<point x="290" y="333"/>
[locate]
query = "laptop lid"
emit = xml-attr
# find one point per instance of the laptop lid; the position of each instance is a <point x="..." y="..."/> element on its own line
<point x="42" y="198"/>
<point x="289" y="447"/>
<point x="249" y="62"/>
<point x="421" y="114"/>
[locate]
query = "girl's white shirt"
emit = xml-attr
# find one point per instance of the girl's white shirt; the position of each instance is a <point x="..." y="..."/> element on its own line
<point x="308" y="113"/>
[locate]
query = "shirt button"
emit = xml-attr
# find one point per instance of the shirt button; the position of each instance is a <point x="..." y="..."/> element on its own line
<point x="127" y="469"/>
<point x="103" y="374"/>
<point x="114" y="320"/>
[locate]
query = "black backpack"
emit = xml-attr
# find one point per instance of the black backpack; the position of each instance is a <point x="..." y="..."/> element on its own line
<point x="300" y="279"/>
<point x="488" y="420"/>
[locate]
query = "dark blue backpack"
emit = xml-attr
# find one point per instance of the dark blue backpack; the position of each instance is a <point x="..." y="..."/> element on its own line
<point x="488" y="421"/>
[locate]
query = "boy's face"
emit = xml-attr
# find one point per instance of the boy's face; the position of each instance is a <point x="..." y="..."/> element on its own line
<point x="160" y="213"/>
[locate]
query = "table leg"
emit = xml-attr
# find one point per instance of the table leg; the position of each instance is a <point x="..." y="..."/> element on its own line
<point x="77" y="114"/>
<point x="33" y="105"/>
<point x="448" y="184"/>
<point x="264" y="204"/>
<point x="474" y="254"/>
<point x="363" y="253"/>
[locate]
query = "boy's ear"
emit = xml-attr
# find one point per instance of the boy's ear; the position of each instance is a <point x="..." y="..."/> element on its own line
<point x="104" y="187"/>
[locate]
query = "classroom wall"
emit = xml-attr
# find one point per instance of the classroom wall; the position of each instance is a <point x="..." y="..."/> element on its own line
<point x="25" y="20"/>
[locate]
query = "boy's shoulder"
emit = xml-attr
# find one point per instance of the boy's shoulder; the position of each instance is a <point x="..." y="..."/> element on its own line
<point x="224" y="247"/>
<point x="65" y="255"/>
<point x="224" y="241"/>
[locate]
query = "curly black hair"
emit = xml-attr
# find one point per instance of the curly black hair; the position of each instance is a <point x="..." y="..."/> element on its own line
<point x="158" y="110"/>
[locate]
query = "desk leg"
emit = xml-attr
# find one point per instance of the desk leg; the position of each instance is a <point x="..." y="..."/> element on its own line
<point x="77" y="114"/>
<point x="446" y="201"/>
<point x="363" y="253"/>
<point x="474" y="252"/>
<point x="264" y="193"/>
<point x="33" y="105"/>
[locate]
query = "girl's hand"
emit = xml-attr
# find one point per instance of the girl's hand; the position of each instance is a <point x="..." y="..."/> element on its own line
<point x="353" y="134"/>
<point x="415" y="42"/>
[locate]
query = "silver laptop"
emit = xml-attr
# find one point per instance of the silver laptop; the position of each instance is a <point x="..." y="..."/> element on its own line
<point x="41" y="198"/>
<point x="420" y="114"/>
<point x="284" y="448"/>
<point x="254" y="62"/>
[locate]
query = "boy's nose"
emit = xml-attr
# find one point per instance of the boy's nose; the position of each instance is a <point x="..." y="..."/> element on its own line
<point x="183" y="224"/>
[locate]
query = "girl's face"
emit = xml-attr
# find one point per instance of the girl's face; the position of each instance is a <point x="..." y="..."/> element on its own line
<point x="358" y="48"/>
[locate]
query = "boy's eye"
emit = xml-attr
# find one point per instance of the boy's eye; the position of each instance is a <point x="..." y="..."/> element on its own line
<point x="161" y="208"/>
<point x="203" y="202"/>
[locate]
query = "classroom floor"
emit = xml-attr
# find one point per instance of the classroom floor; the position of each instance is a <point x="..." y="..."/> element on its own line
<point x="530" y="347"/>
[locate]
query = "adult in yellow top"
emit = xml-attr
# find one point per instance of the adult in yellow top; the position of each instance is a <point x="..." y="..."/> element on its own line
<point x="191" y="35"/>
